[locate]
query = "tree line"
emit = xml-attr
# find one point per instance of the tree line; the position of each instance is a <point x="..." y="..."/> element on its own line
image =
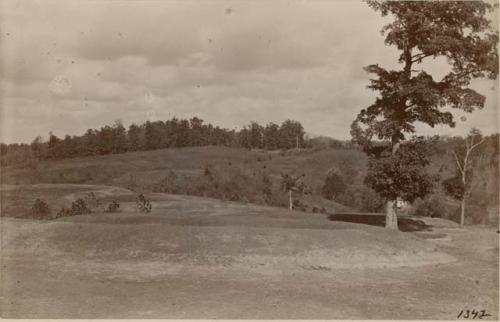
<point x="113" y="139"/>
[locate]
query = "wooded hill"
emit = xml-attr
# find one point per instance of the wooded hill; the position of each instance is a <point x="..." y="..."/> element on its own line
<point x="112" y="139"/>
<point x="334" y="174"/>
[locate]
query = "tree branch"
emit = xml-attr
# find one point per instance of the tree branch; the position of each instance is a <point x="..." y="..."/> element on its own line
<point x="478" y="143"/>
<point x="458" y="162"/>
<point x="419" y="57"/>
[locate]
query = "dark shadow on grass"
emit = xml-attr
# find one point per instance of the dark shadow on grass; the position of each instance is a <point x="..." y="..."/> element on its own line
<point x="406" y="224"/>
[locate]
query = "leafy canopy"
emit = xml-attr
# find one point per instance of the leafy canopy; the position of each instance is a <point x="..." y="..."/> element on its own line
<point x="455" y="187"/>
<point x="334" y="184"/>
<point x="401" y="174"/>
<point x="456" y="30"/>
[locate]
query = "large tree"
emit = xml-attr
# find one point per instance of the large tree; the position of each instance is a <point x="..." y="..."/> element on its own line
<point x="460" y="32"/>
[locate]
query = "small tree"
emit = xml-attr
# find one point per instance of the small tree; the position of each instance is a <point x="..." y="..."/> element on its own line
<point x="40" y="209"/>
<point x="458" y="186"/>
<point x="334" y="184"/>
<point x="291" y="183"/>
<point x="400" y="175"/>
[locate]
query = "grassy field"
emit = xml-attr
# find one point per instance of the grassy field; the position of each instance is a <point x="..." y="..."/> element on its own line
<point x="237" y="175"/>
<point x="198" y="257"/>
<point x="17" y="200"/>
<point x="241" y="171"/>
<point x="194" y="257"/>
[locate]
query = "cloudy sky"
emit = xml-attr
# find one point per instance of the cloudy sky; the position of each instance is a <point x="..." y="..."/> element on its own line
<point x="68" y="66"/>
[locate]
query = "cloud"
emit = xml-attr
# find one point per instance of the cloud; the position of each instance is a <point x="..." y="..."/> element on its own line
<point x="72" y="65"/>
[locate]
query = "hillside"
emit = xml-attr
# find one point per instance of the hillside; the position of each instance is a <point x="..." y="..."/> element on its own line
<point x="254" y="176"/>
<point x="237" y="171"/>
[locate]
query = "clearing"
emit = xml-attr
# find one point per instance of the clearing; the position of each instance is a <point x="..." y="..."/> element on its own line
<point x="196" y="257"/>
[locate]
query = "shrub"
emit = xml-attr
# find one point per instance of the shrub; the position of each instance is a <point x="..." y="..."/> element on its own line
<point x="267" y="185"/>
<point x="431" y="206"/>
<point x="40" y="209"/>
<point x="208" y="170"/>
<point x="78" y="207"/>
<point x="63" y="212"/>
<point x="361" y="198"/>
<point x="334" y="185"/>
<point x="299" y="205"/>
<point x="143" y="204"/>
<point x="371" y="201"/>
<point x="92" y="201"/>
<point x="114" y="206"/>
<point x="454" y="187"/>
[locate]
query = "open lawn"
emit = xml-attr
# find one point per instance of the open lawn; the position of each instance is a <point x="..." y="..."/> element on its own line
<point x="194" y="257"/>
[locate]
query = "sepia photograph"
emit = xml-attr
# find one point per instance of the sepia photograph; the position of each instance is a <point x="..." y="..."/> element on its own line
<point x="263" y="160"/>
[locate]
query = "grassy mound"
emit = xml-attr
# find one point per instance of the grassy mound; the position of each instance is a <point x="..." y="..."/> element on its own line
<point x="199" y="235"/>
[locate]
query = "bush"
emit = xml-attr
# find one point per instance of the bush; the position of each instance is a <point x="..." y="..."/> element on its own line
<point x="78" y="207"/>
<point x="143" y="204"/>
<point x="431" y="206"/>
<point x="267" y="185"/>
<point x="454" y="187"/>
<point x="334" y="185"/>
<point x="361" y="198"/>
<point x="92" y="201"/>
<point x="114" y="206"/>
<point x="40" y="209"/>
<point x="64" y="212"/>
<point x="299" y="205"/>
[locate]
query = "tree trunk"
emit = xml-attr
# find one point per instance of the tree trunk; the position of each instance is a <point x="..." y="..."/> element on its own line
<point x="462" y="204"/>
<point x="391" y="218"/>
<point x="462" y="211"/>
<point x="290" y="200"/>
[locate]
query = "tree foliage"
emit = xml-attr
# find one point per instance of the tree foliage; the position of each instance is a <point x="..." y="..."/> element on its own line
<point x="401" y="174"/>
<point x="455" y="30"/>
<point x="151" y="135"/>
<point x="334" y="184"/>
<point x="454" y="187"/>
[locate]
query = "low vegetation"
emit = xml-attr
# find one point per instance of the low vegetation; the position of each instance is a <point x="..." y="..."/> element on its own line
<point x="334" y="178"/>
<point x="40" y="209"/>
<point x="143" y="204"/>
<point x="78" y="207"/>
<point x="113" y="207"/>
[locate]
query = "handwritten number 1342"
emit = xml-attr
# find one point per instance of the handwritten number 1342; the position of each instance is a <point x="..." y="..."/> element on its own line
<point x="472" y="314"/>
